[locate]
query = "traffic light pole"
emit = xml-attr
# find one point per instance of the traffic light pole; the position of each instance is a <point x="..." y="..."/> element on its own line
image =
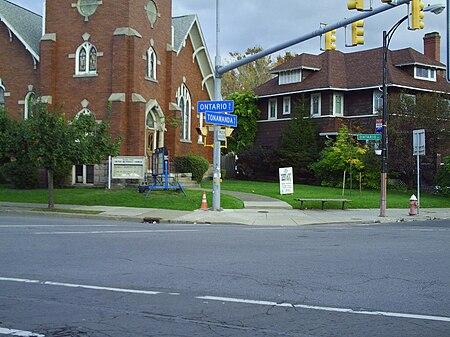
<point x="220" y="70"/>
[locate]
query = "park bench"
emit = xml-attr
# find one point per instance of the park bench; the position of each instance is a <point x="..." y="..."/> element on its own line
<point x="302" y="200"/>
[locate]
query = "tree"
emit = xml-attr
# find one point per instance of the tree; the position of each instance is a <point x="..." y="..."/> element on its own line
<point x="284" y="58"/>
<point x="339" y="157"/>
<point x="299" y="147"/>
<point x="53" y="142"/>
<point x="248" y="76"/>
<point x="248" y="113"/>
<point x="406" y="113"/>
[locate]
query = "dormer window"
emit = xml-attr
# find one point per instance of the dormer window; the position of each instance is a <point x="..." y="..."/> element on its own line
<point x="289" y="76"/>
<point x="423" y="73"/>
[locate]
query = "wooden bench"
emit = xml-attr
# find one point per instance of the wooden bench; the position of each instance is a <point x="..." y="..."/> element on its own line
<point x="302" y="200"/>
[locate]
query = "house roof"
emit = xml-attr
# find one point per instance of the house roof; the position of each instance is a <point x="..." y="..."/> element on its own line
<point x="355" y="71"/>
<point x="24" y="24"/>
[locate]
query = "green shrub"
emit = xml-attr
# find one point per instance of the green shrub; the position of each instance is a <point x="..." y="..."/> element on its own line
<point x="192" y="163"/>
<point x="442" y="179"/>
<point x="22" y="175"/>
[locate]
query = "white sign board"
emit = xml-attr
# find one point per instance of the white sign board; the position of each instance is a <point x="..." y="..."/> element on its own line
<point x="128" y="167"/>
<point x="419" y="142"/>
<point x="221" y="135"/>
<point x="286" y="180"/>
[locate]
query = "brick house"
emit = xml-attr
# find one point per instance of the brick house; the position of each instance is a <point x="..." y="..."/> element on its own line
<point x="345" y="88"/>
<point x="128" y="62"/>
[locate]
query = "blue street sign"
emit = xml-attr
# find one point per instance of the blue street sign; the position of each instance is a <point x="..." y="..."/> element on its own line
<point x="221" y="119"/>
<point x="215" y="106"/>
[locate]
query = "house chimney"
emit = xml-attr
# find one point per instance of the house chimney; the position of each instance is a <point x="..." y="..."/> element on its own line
<point x="432" y="46"/>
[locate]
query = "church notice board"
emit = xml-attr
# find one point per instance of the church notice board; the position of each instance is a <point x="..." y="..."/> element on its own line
<point x="128" y="167"/>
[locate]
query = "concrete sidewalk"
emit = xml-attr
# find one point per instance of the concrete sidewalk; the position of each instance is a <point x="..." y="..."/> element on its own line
<point x="263" y="216"/>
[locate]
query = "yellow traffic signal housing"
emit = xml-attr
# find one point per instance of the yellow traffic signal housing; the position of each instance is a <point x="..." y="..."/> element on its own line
<point x="330" y="39"/>
<point x="417" y="14"/>
<point x="358" y="32"/>
<point x="355" y="4"/>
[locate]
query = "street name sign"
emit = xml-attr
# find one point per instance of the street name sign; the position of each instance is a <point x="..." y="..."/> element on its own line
<point x="221" y="119"/>
<point x="369" y="136"/>
<point x="215" y="106"/>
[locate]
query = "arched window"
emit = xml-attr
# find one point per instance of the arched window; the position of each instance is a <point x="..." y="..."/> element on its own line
<point x="151" y="64"/>
<point x="86" y="59"/>
<point x="30" y="99"/>
<point x="184" y="103"/>
<point x="2" y="95"/>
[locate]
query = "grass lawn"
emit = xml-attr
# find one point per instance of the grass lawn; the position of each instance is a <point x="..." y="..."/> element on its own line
<point x="365" y="199"/>
<point x="121" y="197"/>
<point x="177" y="201"/>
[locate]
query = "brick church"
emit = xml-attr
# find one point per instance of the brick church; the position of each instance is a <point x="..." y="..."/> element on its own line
<point x="128" y="62"/>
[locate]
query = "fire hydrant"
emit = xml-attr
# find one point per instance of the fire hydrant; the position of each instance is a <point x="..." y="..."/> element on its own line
<point x="413" y="205"/>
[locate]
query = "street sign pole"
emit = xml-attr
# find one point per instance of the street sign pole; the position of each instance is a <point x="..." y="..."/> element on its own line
<point x="217" y="97"/>
<point x="418" y="150"/>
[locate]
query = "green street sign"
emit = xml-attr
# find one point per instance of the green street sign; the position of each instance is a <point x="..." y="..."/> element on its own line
<point x="369" y="136"/>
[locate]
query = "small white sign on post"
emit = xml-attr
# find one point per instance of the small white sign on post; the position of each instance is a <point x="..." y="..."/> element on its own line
<point x="419" y="142"/>
<point x="286" y="180"/>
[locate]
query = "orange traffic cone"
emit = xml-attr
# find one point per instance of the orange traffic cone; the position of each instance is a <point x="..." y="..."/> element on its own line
<point x="204" y="206"/>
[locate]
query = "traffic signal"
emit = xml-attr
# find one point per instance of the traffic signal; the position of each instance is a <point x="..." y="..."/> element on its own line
<point x="358" y="32"/>
<point x="387" y="1"/>
<point x="417" y="14"/>
<point x="355" y="4"/>
<point x="330" y="39"/>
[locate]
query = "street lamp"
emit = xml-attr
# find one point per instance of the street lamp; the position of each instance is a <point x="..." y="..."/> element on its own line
<point x="387" y="36"/>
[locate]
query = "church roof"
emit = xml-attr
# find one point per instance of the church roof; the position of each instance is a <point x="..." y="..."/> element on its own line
<point x="24" y="24"/>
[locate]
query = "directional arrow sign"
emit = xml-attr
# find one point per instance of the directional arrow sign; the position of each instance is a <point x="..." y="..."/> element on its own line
<point x="221" y="119"/>
<point x="215" y="106"/>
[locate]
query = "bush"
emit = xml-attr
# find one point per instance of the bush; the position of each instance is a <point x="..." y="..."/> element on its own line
<point x="192" y="163"/>
<point x="442" y="180"/>
<point x="22" y="175"/>
<point x="258" y="163"/>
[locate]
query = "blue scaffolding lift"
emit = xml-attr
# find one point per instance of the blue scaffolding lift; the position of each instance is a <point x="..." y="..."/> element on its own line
<point x="161" y="179"/>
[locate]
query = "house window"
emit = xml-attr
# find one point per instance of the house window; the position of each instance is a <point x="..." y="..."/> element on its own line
<point x="272" y="109"/>
<point x="286" y="105"/>
<point x="184" y="103"/>
<point x="338" y="104"/>
<point x="315" y="105"/>
<point x="408" y="102"/>
<point x="289" y="76"/>
<point x="424" y="73"/>
<point x="151" y="64"/>
<point x="377" y="101"/>
<point x="30" y="99"/>
<point x="83" y="174"/>
<point x="86" y="60"/>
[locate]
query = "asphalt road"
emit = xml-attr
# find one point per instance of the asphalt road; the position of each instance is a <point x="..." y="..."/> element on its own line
<point x="64" y="277"/>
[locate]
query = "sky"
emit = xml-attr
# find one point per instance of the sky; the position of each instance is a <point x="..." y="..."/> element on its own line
<point x="249" y="23"/>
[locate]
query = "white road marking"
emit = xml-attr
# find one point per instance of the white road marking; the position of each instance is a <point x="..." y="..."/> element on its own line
<point x="118" y="232"/>
<point x="236" y="300"/>
<point x="14" y="332"/>
<point x="83" y="286"/>
<point x="24" y="226"/>
<point x="331" y="309"/>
